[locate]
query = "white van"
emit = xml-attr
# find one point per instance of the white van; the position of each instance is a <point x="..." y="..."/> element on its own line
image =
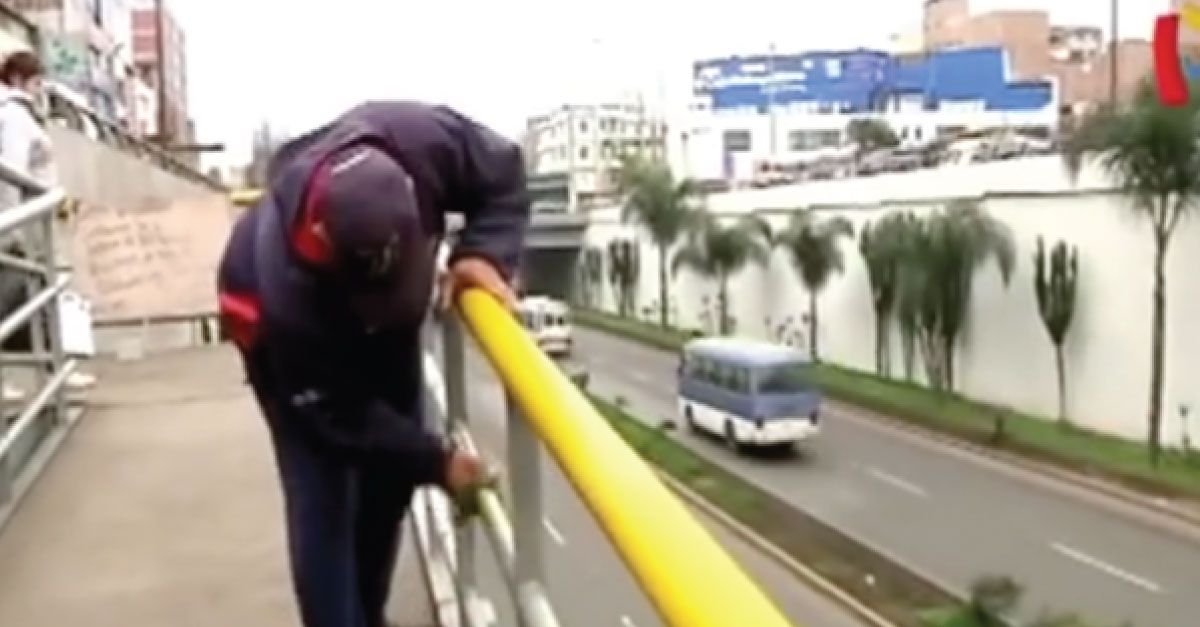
<point x="548" y="323"/>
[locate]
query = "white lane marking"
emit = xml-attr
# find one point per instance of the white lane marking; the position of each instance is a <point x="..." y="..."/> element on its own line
<point x="1106" y="568"/>
<point x="897" y="482"/>
<point x="554" y="533"/>
<point x="627" y="622"/>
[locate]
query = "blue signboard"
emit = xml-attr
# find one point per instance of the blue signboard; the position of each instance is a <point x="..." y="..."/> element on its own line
<point x="861" y="80"/>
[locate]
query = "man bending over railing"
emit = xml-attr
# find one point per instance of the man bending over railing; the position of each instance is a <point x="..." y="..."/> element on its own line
<point x="324" y="287"/>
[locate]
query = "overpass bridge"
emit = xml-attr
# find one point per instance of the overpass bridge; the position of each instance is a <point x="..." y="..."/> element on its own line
<point x="152" y="500"/>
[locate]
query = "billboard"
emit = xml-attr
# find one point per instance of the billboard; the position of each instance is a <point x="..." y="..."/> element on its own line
<point x="847" y="81"/>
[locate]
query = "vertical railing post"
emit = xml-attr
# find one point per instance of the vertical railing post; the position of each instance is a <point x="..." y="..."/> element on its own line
<point x="6" y="477"/>
<point x="38" y="342"/>
<point x="454" y="372"/>
<point x="525" y="475"/>
<point x="51" y="315"/>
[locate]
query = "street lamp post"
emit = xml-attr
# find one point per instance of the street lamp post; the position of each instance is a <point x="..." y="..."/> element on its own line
<point x="1114" y="56"/>
<point x="160" y="44"/>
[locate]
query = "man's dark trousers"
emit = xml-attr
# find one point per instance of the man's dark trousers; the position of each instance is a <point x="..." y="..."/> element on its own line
<point x="343" y="520"/>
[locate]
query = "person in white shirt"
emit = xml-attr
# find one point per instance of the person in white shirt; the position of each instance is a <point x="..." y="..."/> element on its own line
<point x="25" y="147"/>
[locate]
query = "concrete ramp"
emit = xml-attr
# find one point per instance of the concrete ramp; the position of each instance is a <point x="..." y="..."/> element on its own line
<point x="161" y="509"/>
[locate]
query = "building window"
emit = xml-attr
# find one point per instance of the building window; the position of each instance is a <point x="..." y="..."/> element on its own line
<point x="812" y="140"/>
<point x="737" y="141"/>
<point x="583" y="126"/>
<point x="950" y="131"/>
<point x="833" y="68"/>
<point x="607" y="150"/>
<point x="583" y="153"/>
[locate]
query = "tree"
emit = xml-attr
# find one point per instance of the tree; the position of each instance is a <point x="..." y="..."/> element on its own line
<point x="882" y="246"/>
<point x="1054" y="283"/>
<point x="718" y="252"/>
<point x="1150" y="152"/>
<point x="624" y="268"/>
<point x="812" y="245"/>
<point x="591" y="273"/>
<point x="870" y="134"/>
<point x="937" y="277"/>
<point x="663" y="206"/>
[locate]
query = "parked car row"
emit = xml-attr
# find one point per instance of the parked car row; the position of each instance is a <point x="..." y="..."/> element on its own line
<point x="980" y="148"/>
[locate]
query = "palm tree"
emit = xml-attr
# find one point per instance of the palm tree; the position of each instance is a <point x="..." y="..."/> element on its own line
<point x="718" y="252"/>
<point x="1054" y="285"/>
<point x="624" y="268"/>
<point x="813" y="246"/>
<point x="937" y="277"/>
<point x="1151" y="153"/>
<point x="882" y="246"/>
<point x="591" y="274"/>
<point x="663" y="206"/>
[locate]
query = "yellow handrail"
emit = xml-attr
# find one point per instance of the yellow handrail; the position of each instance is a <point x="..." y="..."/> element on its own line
<point x="686" y="574"/>
<point x="245" y="197"/>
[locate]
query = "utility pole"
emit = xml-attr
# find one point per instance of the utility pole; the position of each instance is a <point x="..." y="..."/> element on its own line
<point x="1114" y="56"/>
<point x="164" y="135"/>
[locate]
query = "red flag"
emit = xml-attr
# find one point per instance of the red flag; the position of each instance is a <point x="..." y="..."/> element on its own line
<point x="1168" y="67"/>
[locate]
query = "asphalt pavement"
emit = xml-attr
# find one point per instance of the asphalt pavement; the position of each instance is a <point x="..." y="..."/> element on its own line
<point x="588" y="583"/>
<point x="949" y="515"/>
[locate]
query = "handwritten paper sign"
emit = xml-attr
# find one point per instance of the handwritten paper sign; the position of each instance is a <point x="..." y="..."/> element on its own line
<point x="156" y="259"/>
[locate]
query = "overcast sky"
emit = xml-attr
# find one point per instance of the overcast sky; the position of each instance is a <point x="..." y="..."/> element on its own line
<point x="296" y="63"/>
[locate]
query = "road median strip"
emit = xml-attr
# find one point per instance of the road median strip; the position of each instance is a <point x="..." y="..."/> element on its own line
<point x="870" y="585"/>
<point x="762" y="545"/>
<point x="1114" y="466"/>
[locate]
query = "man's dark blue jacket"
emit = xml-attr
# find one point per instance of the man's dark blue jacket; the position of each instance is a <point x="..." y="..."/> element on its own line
<point x="313" y="366"/>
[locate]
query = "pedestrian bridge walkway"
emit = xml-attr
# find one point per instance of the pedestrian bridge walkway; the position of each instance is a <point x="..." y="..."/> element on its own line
<point x="161" y="508"/>
<point x="160" y="505"/>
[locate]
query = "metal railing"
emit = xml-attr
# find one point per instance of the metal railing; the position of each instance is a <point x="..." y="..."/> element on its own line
<point x="687" y="576"/>
<point x="30" y="430"/>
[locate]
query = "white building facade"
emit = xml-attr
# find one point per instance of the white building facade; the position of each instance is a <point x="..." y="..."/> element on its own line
<point x="586" y="142"/>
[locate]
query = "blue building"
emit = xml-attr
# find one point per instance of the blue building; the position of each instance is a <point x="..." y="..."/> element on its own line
<point x="757" y="107"/>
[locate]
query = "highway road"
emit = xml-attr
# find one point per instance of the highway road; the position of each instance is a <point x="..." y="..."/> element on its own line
<point x="949" y="514"/>
<point x="588" y="584"/>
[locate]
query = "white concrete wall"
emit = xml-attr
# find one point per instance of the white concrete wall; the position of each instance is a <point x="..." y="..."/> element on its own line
<point x="144" y="242"/>
<point x="1005" y="356"/>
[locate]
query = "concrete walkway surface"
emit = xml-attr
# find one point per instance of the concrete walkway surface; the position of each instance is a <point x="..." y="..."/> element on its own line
<point x="162" y="508"/>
